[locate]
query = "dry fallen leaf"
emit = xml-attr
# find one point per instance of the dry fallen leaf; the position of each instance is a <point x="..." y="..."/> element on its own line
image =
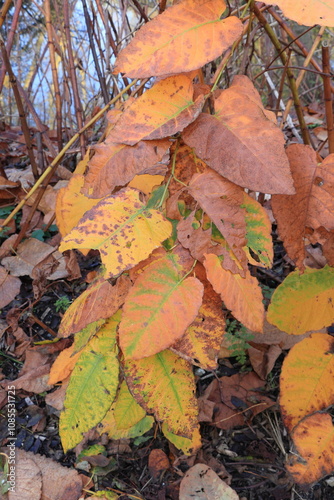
<point x="202" y="483"/>
<point x="9" y="287"/>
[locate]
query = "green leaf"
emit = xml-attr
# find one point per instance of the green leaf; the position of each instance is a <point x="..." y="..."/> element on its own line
<point x="92" y="386"/>
<point x="304" y="302"/>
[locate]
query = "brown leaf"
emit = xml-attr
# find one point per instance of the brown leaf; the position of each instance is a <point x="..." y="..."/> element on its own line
<point x="9" y="287"/>
<point x="38" y="477"/>
<point x="241" y="142"/>
<point x="222" y="201"/>
<point x="29" y="253"/>
<point x="263" y="358"/>
<point x="202" y="483"/>
<point x="34" y="374"/>
<point x="56" y="398"/>
<point x="233" y="395"/>
<point x="313" y="204"/>
<point x="157" y="462"/>
<point x="116" y="164"/>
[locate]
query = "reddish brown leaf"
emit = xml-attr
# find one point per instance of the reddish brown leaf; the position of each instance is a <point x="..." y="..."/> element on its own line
<point x="241" y="141"/>
<point x="222" y="201"/>
<point x="313" y="204"/>
<point x="116" y="164"/>
<point x="9" y="287"/>
<point x="157" y="462"/>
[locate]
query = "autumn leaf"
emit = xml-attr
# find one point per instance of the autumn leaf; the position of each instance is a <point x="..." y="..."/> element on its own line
<point x="122" y="228"/>
<point x="116" y="164"/>
<point x="9" y="287"/>
<point x="63" y="365"/>
<point x="313" y="204"/>
<point x="96" y="372"/>
<point x="71" y="205"/>
<point x="258" y="235"/>
<point x="185" y="37"/>
<point x="314" y="442"/>
<point x="182" y="443"/>
<point x="310" y="360"/>
<point x="201" y="482"/>
<point x="303" y="302"/>
<point x="201" y="342"/>
<point x="127" y="411"/>
<point x="164" y="384"/>
<point x="145" y="183"/>
<point x="158" y="309"/>
<point x="243" y="296"/>
<point x="99" y="301"/>
<point x="162" y="111"/>
<point x="307" y="12"/>
<point x="222" y="201"/>
<point x="241" y="141"/>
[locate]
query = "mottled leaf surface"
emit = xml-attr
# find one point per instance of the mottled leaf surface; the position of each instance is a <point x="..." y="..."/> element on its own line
<point x="314" y="442"/>
<point x="164" y="385"/>
<point x="313" y="204"/>
<point x="258" y="233"/>
<point x="310" y="360"/>
<point x="241" y="141"/>
<point x="95" y="373"/>
<point x="243" y="296"/>
<point x="192" y="29"/>
<point x="200" y="482"/>
<point x="127" y="411"/>
<point x="99" y="301"/>
<point x="308" y="12"/>
<point x="122" y="228"/>
<point x="162" y="111"/>
<point x="116" y="164"/>
<point x="158" y="309"/>
<point x="303" y="302"/>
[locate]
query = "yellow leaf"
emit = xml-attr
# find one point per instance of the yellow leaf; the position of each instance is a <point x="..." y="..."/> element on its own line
<point x="185" y="37"/>
<point x="164" y="384"/>
<point x="188" y="446"/>
<point x="95" y="373"/>
<point x="303" y="302"/>
<point x="307" y="378"/>
<point x="127" y="411"/>
<point x="63" y="365"/>
<point x="71" y="205"/>
<point x="158" y="309"/>
<point x="145" y="183"/>
<point x="162" y="111"/>
<point x="122" y="228"/>
<point x="314" y="441"/>
<point x="243" y="296"/>
<point x="307" y="12"/>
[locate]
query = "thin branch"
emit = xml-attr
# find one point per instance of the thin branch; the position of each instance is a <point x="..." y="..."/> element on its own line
<point x="328" y="96"/>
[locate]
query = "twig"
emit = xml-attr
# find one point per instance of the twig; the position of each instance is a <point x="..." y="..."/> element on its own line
<point x="10" y="39"/>
<point x="291" y="79"/>
<point x="52" y="52"/>
<point x="62" y="153"/>
<point x="4" y="10"/>
<point x="328" y="96"/>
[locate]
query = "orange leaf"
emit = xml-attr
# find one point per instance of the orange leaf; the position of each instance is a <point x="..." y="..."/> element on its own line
<point x="242" y="296"/>
<point x="186" y="36"/>
<point x="222" y="201"/>
<point x="307" y="12"/>
<point x="201" y="342"/>
<point x="63" y="365"/>
<point x="162" y="111"/>
<point x="146" y="183"/>
<point x="314" y="441"/>
<point x="241" y="140"/>
<point x="310" y="360"/>
<point x="116" y="164"/>
<point x="158" y="309"/>
<point x="99" y="301"/>
<point x="122" y="228"/>
<point x="313" y="204"/>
